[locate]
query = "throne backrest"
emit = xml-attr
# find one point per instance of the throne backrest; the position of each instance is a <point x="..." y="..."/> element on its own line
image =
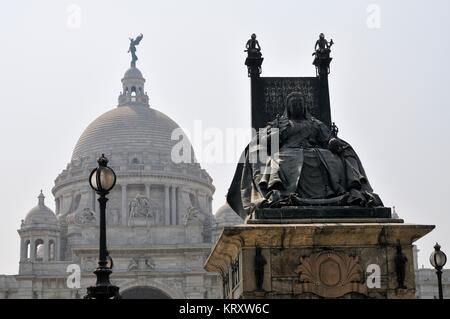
<point x="269" y="97"/>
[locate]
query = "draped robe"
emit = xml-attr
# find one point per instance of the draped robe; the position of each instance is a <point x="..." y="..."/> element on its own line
<point x="302" y="171"/>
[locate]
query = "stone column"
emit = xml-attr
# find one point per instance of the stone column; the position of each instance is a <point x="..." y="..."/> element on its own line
<point x="23" y="254"/>
<point x="53" y="240"/>
<point x="57" y="210"/>
<point x="210" y="203"/>
<point x="180" y="205"/>
<point x="57" y="249"/>
<point x="167" y="204"/>
<point x="32" y="248"/>
<point x="173" y="206"/>
<point x="46" y="249"/>
<point x="124" y="204"/>
<point x="147" y="191"/>
<point x="93" y="200"/>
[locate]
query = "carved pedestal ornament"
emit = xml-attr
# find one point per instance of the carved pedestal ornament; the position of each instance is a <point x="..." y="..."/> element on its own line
<point x="330" y="274"/>
<point x="400" y="267"/>
<point x="260" y="263"/>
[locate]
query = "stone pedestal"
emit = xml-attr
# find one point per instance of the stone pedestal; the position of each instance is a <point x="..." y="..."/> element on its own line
<point x="358" y="258"/>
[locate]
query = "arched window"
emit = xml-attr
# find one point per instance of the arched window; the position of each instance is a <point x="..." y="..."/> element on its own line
<point x="51" y="250"/>
<point x="133" y="94"/>
<point x="39" y="253"/>
<point x="27" y="249"/>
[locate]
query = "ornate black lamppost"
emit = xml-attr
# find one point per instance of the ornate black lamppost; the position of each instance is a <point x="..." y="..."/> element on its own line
<point x="102" y="180"/>
<point x="438" y="260"/>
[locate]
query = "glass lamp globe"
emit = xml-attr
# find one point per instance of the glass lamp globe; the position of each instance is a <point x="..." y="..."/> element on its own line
<point x="438" y="259"/>
<point x="110" y="262"/>
<point x="102" y="178"/>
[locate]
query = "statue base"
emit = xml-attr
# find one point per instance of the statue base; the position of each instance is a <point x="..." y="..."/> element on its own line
<point x="318" y="258"/>
<point x="318" y="212"/>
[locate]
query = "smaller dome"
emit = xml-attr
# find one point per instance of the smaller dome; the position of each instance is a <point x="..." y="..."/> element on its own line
<point x="226" y="216"/>
<point x="133" y="73"/>
<point x="41" y="214"/>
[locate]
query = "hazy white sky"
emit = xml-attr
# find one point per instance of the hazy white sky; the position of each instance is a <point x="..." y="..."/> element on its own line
<point x="388" y="87"/>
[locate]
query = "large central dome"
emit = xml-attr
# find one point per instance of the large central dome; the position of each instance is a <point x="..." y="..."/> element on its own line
<point x="134" y="128"/>
<point x="131" y="127"/>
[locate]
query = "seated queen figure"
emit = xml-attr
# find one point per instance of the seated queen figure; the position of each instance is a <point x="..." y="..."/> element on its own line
<point x="310" y="167"/>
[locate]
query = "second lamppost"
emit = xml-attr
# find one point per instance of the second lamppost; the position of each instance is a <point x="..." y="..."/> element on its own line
<point x="438" y="259"/>
<point x="102" y="180"/>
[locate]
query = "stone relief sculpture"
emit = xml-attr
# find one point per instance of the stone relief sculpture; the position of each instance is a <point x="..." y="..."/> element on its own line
<point x="86" y="216"/>
<point x="142" y="207"/>
<point x="134" y="264"/>
<point x="141" y="264"/>
<point x="149" y="264"/>
<point x="192" y="216"/>
<point x="83" y="217"/>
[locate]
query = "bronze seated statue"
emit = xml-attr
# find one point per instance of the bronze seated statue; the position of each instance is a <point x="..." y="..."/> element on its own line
<point x="310" y="167"/>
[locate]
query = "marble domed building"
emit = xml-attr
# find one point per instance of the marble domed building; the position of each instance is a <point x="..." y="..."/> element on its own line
<point x="225" y="216"/>
<point x="160" y="226"/>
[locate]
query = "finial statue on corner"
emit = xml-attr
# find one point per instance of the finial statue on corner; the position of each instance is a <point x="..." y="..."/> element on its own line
<point x="132" y="49"/>
<point x="252" y="47"/>
<point x="322" y="58"/>
<point x="254" y="57"/>
<point x="323" y="44"/>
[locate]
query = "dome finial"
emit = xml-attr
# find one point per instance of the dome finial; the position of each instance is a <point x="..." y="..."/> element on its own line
<point x="133" y="88"/>
<point x="41" y="198"/>
<point x="133" y="82"/>
<point x="132" y="49"/>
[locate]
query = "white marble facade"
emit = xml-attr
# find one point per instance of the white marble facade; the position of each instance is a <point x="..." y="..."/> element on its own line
<point x="160" y="225"/>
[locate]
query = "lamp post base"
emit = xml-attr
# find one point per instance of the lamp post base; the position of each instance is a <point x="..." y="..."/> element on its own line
<point x="103" y="292"/>
<point x="103" y="288"/>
